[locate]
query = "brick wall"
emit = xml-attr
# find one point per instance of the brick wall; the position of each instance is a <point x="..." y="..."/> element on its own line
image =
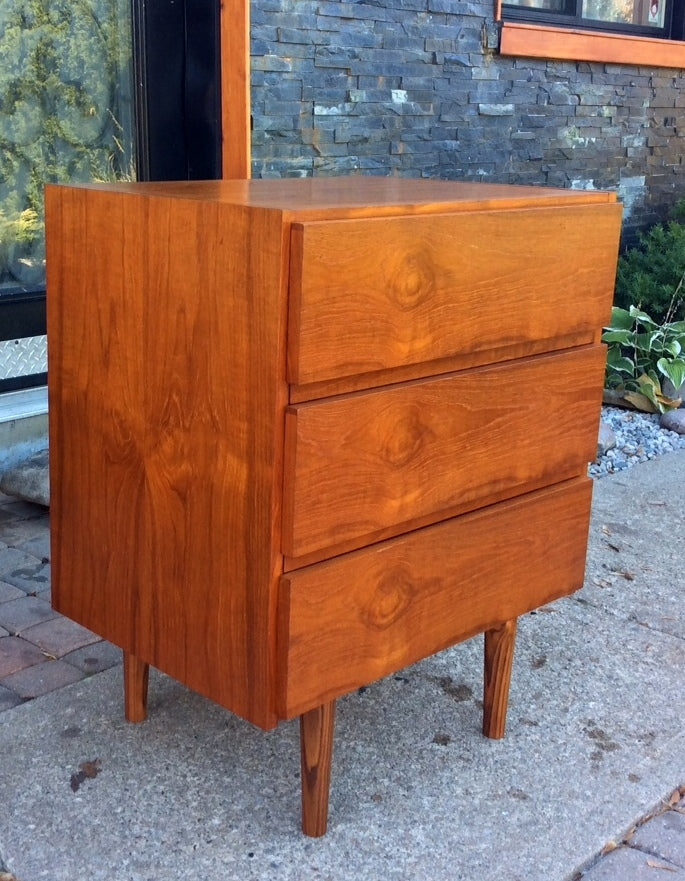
<point x="406" y="87"/>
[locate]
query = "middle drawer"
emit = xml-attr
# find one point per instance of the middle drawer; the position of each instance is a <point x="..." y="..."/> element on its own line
<point x="369" y="465"/>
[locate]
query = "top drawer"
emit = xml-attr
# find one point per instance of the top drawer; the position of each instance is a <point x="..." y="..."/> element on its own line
<point x="380" y="293"/>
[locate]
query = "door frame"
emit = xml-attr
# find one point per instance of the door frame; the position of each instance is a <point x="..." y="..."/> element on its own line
<point x="235" y="89"/>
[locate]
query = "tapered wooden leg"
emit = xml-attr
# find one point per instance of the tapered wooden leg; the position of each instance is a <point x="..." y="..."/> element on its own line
<point x="135" y="688"/>
<point x="499" y="654"/>
<point x="316" y="750"/>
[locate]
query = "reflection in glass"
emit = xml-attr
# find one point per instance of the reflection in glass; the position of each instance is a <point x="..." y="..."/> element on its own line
<point x="547" y="5"/>
<point x="65" y="114"/>
<point x="640" y="12"/>
<point x="646" y="13"/>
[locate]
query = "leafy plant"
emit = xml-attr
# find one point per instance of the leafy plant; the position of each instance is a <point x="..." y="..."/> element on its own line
<point x="642" y="355"/>
<point x="649" y="274"/>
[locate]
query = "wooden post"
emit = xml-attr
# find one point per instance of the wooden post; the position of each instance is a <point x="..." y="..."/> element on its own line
<point x="235" y="89"/>
<point x="316" y="749"/>
<point x="136" y="674"/>
<point x="499" y="654"/>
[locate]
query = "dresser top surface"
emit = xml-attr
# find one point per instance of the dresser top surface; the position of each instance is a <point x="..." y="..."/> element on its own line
<point x="359" y="195"/>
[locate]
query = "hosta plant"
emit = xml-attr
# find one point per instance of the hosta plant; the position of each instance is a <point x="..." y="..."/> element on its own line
<point x="646" y="360"/>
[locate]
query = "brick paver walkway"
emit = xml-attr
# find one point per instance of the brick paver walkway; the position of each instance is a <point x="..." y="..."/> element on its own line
<point x="40" y="651"/>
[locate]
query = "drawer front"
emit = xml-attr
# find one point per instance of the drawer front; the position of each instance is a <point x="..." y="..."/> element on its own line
<point x="349" y="621"/>
<point x="368" y="295"/>
<point x="372" y="464"/>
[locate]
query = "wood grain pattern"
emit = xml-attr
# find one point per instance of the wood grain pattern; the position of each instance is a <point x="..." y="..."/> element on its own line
<point x="316" y="754"/>
<point x="136" y="678"/>
<point x="499" y="656"/>
<point x="540" y="41"/>
<point x="351" y="620"/>
<point x="377" y="294"/>
<point x="337" y="198"/>
<point x="461" y="361"/>
<point x="165" y="440"/>
<point x="235" y="89"/>
<point x="364" y="463"/>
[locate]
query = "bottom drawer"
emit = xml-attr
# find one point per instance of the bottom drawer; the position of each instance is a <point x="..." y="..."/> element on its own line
<point x="351" y="620"/>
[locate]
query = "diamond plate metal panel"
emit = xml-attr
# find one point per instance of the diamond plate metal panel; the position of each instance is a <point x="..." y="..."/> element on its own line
<point x="23" y="357"/>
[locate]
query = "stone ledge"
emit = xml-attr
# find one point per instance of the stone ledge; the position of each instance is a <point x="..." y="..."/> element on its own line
<point x="29" y="479"/>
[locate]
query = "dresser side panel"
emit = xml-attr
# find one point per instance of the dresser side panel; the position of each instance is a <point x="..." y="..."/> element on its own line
<point x="166" y="352"/>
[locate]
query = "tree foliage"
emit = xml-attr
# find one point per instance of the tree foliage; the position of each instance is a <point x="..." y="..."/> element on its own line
<point x="65" y="112"/>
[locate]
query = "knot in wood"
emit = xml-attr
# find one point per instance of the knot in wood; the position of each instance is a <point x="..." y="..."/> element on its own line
<point x="413" y="282"/>
<point x="389" y="600"/>
<point x="406" y="436"/>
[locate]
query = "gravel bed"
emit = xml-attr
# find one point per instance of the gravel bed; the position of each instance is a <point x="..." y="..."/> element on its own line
<point x="639" y="438"/>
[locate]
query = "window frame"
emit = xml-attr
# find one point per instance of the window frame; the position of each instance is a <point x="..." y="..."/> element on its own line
<point x="576" y="21"/>
<point x="531" y="37"/>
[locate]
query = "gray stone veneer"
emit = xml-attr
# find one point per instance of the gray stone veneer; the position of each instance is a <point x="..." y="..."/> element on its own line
<point x="407" y="87"/>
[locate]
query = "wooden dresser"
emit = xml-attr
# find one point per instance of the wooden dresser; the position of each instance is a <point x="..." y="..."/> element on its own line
<point x="306" y="432"/>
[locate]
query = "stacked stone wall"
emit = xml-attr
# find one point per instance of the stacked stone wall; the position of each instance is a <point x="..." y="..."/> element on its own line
<point x="408" y="88"/>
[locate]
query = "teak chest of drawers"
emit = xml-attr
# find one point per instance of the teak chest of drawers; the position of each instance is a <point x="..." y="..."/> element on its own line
<point x="304" y="433"/>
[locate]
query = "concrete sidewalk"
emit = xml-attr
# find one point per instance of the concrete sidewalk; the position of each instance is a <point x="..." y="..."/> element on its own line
<point x="595" y="741"/>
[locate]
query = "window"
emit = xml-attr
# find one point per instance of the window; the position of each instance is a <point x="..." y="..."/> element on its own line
<point x="647" y="33"/>
<point x="647" y="17"/>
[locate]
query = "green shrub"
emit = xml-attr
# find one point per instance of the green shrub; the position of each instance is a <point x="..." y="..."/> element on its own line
<point x="649" y="274"/>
